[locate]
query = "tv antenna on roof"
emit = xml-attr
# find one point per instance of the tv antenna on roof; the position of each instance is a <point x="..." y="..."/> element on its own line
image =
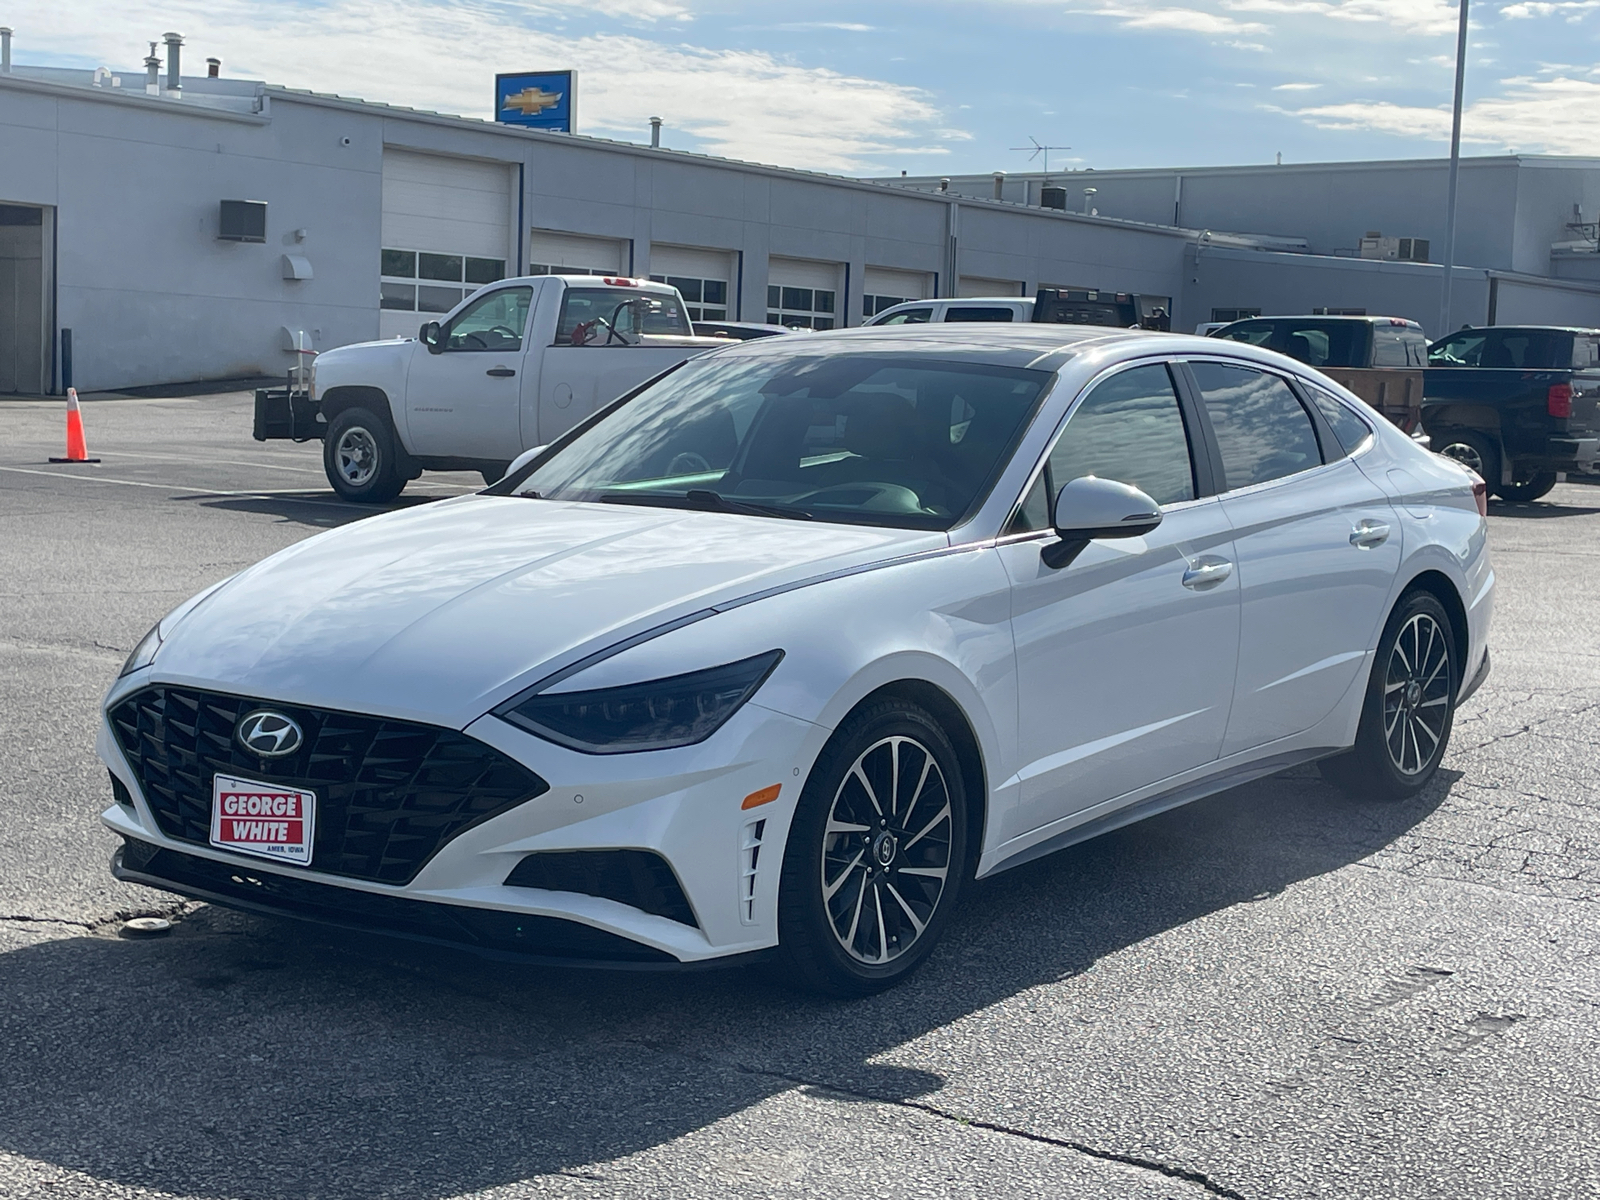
<point x="1039" y="148"/>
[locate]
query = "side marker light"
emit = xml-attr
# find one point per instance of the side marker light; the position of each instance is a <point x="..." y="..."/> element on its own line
<point x="765" y="796"/>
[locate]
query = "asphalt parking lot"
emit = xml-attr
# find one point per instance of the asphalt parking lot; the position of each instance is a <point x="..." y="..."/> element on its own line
<point x="1277" y="992"/>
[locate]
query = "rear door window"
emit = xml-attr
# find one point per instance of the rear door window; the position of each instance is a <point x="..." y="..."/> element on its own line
<point x="1262" y="430"/>
<point x="1325" y="343"/>
<point x="978" y="312"/>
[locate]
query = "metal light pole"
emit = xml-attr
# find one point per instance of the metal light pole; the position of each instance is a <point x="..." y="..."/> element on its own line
<point x="1455" y="172"/>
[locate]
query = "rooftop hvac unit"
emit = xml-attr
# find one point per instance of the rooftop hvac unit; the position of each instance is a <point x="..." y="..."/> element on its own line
<point x="1394" y="249"/>
<point x="1053" y="197"/>
<point x="243" y="221"/>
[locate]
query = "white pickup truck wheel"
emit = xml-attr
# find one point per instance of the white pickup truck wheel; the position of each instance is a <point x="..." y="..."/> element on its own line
<point x="359" y="457"/>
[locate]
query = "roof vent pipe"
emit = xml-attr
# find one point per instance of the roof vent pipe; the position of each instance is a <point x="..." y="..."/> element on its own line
<point x="655" y="132"/>
<point x="213" y="68"/>
<point x="944" y="185"/>
<point x="174" y="76"/>
<point x="999" y="185"/>
<point x="5" y="49"/>
<point x="152" y="72"/>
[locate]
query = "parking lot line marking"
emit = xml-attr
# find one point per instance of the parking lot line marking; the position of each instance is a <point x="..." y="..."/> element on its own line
<point x="227" y="462"/>
<point x="281" y="493"/>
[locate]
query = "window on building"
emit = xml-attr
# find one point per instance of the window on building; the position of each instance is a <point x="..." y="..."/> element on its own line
<point x="425" y="281"/>
<point x="801" y="308"/>
<point x="872" y="305"/>
<point x="706" y="299"/>
<point x="1234" y="314"/>
<point x="1338" y="312"/>
<point x="558" y="269"/>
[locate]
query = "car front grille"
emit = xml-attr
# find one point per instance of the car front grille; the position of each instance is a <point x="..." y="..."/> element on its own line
<point x="389" y="793"/>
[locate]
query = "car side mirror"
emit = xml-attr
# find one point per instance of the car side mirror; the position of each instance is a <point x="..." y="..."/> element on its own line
<point x="431" y="336"/>
<point x="523" y="459"/>
<point x="1088" y="508"/>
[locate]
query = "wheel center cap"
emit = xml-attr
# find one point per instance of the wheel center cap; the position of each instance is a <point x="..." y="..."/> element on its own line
<point x="1413" y="694"/>
<point x="883" y="848"/>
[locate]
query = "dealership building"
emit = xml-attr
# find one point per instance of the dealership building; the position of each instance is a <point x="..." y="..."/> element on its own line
<point x="202" y="231"/>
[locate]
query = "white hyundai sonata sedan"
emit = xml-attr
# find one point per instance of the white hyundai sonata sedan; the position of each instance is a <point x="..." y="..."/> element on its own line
<point x="774" y="655"/>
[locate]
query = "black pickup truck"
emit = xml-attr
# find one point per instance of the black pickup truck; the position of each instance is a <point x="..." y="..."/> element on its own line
<point x="1517" y="404"/>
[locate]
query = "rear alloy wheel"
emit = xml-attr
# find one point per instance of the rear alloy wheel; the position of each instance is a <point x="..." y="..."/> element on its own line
<point x="1475" y="451"/>
<point x="876" y="855"/>
<point x="1409" y="707"/>
<point x="359" y="457"/>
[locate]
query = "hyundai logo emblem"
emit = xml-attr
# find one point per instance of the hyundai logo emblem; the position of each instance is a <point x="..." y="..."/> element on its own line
<point x="269" y="734"/>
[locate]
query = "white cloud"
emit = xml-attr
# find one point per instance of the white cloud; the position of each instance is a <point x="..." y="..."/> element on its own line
<point x="741" y="103"/>
<point x="1537" y="8"/>
<point x="1414" y="16"/>
<point x="1557" y="116"/>
<point x="1295" y="87"/>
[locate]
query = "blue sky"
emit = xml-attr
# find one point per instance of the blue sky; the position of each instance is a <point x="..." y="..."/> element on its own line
<point x="924" y="86"/>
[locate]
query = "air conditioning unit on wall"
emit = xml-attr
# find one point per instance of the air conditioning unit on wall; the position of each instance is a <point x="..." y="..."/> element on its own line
<point x="1394" y="249"/>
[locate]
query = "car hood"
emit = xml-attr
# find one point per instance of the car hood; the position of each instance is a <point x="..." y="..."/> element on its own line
<point x="437" y="613"/>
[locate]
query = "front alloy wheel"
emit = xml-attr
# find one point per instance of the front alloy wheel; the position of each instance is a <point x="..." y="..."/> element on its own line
<point x="876" y="853"/>
<point x="886" y="850"/>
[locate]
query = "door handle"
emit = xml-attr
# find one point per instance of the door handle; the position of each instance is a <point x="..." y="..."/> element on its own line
<point x="1368" y="534"/>
<point x="1207" y="573"/>
<point x="500" y="372"/>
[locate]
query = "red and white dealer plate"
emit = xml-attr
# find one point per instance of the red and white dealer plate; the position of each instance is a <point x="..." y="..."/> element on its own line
<point x="263" y="818"/>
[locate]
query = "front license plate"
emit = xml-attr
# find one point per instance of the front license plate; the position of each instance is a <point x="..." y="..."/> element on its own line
<point x="262" y="818"/>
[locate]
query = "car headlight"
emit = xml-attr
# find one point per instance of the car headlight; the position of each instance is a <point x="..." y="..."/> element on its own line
<point x="657" y="715"/>
<point x="144" y="652"/>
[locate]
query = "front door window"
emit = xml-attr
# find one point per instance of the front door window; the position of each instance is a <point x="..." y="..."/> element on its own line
<point x="492" y="322"/>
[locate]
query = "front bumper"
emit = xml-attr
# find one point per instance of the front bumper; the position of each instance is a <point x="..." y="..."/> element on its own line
<point x="487" y="933"/>
<point x="679" y="809"/>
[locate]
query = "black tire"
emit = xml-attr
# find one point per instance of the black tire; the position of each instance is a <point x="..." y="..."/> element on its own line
<point x="1536" y="485"/>
<point x="361" y="459"/>
<point x="1410" y="685"/>
<point x="883" y="858"/>
<point x="1474" y="450"/>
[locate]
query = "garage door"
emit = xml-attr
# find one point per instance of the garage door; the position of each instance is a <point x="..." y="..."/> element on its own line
<point x="884" y="288"/>
<point x="705" y="277"/>
<point x="446" y="232"/>
<point x="977" y="285"/>
<point x="551" y="253"/>
<point x="804" y="294"/>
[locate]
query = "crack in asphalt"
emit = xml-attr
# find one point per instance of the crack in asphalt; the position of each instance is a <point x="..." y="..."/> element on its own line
<point x="1198" y="1178"/>
<point x="177" y="909"/>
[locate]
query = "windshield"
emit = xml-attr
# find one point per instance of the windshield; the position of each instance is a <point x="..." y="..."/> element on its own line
<point x="892" y="440"/>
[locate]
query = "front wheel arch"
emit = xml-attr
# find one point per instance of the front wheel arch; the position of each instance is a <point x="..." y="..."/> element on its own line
<point x="969" y="751"/>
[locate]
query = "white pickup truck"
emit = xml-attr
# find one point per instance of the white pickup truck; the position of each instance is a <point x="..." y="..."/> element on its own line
<point x="514" y="366"/>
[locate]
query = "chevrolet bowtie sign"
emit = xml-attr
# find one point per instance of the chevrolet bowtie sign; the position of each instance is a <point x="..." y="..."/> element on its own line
<point x="538" y="100"/>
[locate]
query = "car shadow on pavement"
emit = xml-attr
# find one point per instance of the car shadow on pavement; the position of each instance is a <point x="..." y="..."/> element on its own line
<point x="243" y="1057"/>
<point x="1535" y="509"/>
<point x="318" y="510"/>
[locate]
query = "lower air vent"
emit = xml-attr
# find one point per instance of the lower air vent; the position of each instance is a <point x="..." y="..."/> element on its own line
<point x="749" y="861"/>
<point x="640" y="878"/>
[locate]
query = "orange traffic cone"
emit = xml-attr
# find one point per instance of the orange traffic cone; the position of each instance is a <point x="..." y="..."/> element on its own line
<point x="77" y="449"/>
